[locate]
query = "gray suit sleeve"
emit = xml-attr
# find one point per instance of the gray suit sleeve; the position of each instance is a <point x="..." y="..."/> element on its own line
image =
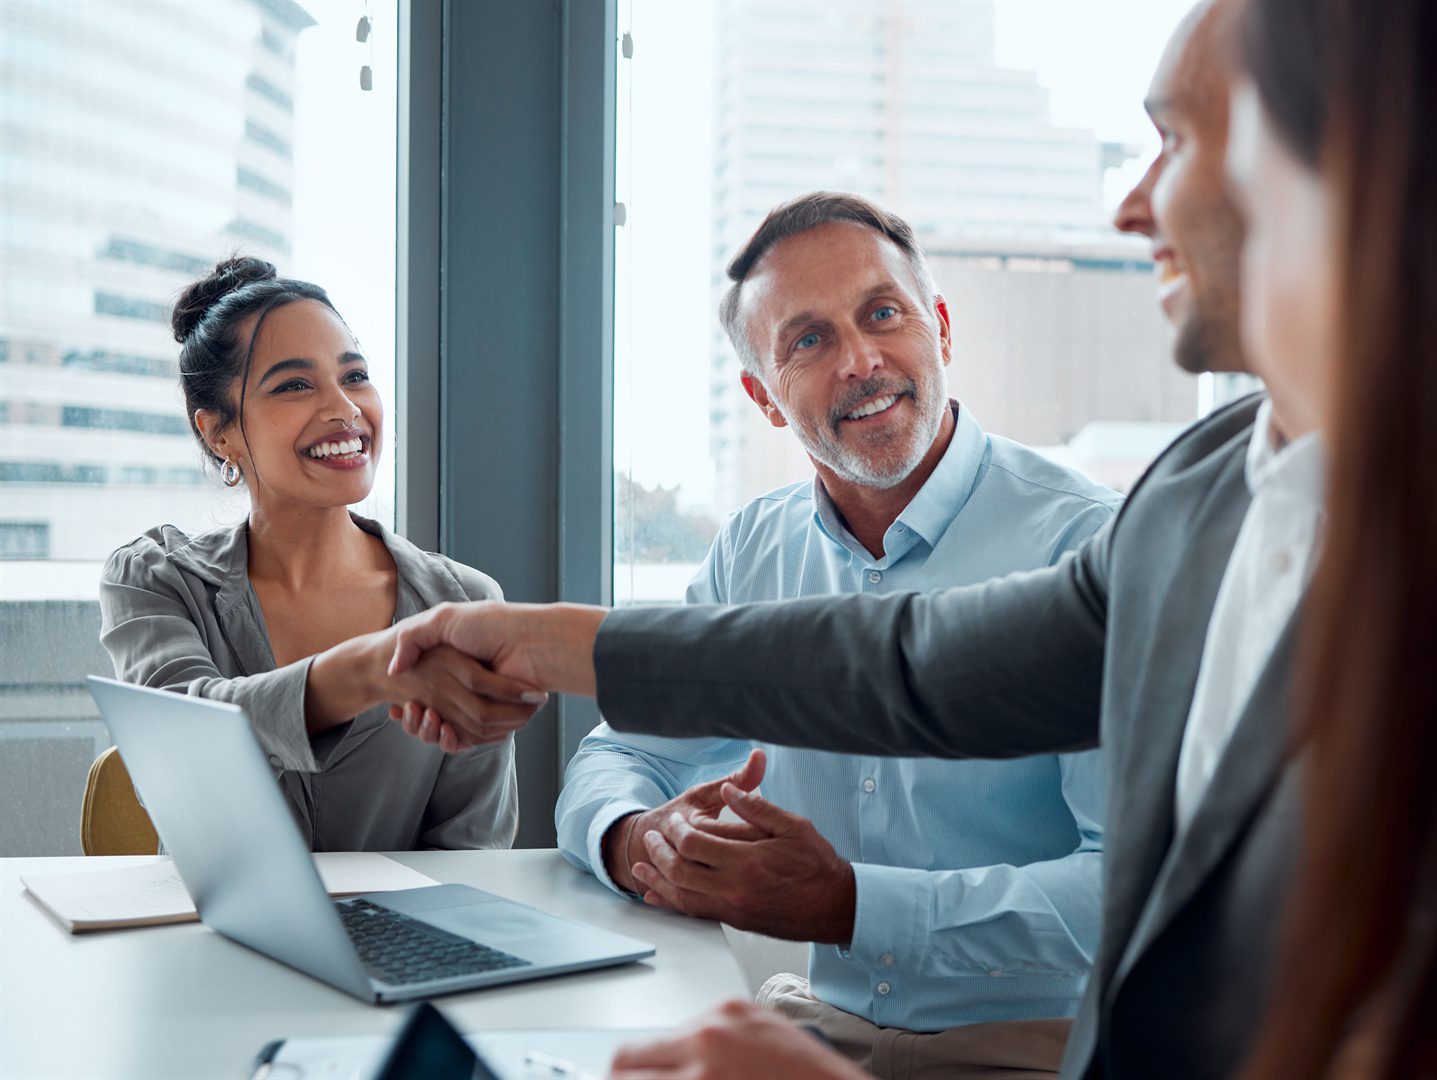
<point x="150" y="626"/>
<point x="1008" y="668"/>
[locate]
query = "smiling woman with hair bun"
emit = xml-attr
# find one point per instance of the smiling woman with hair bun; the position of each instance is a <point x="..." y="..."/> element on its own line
<point x="289" y="613"/>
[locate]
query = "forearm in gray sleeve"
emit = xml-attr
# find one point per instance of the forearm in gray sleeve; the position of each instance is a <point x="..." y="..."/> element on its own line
<point x="1007" y="668"/>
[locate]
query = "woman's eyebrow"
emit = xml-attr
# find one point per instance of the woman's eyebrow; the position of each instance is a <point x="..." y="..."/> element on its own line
<point x="287" y="365"/>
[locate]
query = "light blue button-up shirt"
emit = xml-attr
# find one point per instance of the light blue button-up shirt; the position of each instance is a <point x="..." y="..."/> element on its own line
<point x="978" y="881"/>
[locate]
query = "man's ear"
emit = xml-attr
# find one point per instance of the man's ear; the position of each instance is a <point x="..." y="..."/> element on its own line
<point x="219" y="441"/>
<point x="945" y="330"/>
<point x="754" y="388"/>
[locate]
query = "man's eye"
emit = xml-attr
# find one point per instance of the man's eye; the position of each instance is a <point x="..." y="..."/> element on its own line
<point x="886" y="312"/>
<point x="808" y="341"/>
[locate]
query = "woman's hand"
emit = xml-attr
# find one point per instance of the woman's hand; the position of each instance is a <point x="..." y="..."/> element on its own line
<point x="736" y="1041"/>
<point x="448" y="688"/>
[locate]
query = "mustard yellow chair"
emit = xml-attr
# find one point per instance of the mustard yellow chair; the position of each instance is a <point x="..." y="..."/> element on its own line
<point x="112" y="821"/>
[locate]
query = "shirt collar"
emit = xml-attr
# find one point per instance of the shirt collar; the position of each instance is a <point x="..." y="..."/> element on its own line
<point x="935" y="505"/>
<point x="1296" y="468"/>
<point x="221" y="557"/>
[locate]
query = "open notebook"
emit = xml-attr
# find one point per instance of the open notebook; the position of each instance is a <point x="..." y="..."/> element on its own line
<point x="149" y="891"/>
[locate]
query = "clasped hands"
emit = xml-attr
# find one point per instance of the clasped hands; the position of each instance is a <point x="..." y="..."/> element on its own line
<point x="770" y="871"/>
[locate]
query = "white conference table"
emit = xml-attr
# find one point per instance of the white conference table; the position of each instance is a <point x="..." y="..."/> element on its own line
<point x="181" y="1001"/>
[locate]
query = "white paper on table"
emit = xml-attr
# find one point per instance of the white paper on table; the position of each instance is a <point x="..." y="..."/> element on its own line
<point x="581" y="1054"/>
<point x="152" y="894"/>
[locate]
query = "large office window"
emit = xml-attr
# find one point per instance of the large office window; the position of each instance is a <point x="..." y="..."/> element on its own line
<point x="142" y="143"/>
<point x="1005" y="131"/>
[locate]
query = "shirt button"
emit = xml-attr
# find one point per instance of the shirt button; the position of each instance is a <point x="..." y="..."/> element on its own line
<point x="274" y="760"/>
<point x="886" y="959"/>
<point x="869" y="785"/>
<point x="884" y="988"/>
<point x="874" y="577"/>
<point x="1281" y="562"/>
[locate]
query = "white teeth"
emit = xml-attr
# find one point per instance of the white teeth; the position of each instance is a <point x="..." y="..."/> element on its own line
<point x="873" y="407"/>
<point x="330" y="449"/>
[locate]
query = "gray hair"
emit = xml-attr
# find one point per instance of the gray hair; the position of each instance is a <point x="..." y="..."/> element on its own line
<point x="798" y="216"/>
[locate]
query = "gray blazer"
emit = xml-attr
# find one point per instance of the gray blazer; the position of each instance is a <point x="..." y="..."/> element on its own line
<point x="180" y="614"/>
<point x="1103" y="648"/>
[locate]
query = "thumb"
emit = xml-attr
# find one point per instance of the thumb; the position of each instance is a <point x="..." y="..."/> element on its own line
<point x="412" y="637"/>
<point x="756" y="810"/>
<point x="751" y="774"/>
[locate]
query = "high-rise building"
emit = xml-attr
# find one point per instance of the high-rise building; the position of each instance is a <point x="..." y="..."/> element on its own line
<point x="903" y="102"/>
<point x="141" y="142"/>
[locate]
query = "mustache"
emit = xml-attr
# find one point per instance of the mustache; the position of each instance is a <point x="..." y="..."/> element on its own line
<point x="865" y="391"/>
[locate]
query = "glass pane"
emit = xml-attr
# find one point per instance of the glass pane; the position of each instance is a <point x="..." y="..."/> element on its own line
<point x="143" y="142"/>
<point x="1005" y="131"/>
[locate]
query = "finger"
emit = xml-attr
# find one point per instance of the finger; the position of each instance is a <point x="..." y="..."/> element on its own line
<point x="674" y="868"/>
<point x="490" y="684"/>
<point x="410" y="714"/>
<point x="758" y="811"/>
<point x="429" y="726"/>
<point x="703" y="847"/>
<point x="728" y="830"/>
<point x="662" y="893"/>
<point x="751" y="774"/>
<point x="666" y="1053"/>
<point x="477" y="715"/>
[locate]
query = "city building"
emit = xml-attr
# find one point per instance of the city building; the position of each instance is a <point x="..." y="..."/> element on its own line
<point x="141" y="142"/>
<point x="903" y="102"/>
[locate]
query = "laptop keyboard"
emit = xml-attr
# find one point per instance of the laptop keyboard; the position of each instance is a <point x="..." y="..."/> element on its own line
<point x="397" y="949"/>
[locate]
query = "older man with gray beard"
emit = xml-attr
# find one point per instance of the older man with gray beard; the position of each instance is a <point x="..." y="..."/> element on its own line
<point x="952" y="906"/>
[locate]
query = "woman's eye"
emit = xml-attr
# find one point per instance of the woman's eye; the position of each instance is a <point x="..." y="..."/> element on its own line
<point x="887" y="311"/>
<point x="808" y="341"/>
<point x="293" y="384"/>
<point x="357" y="377"/>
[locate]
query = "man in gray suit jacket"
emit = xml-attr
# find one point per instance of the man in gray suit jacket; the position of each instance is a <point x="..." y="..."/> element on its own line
<point x="1111" y="646"/>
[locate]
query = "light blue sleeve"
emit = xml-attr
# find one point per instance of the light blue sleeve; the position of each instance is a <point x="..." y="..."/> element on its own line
<point x="1042" y="918"/>
<point x="614" y="774"/>
<point x="1038" y="919"/>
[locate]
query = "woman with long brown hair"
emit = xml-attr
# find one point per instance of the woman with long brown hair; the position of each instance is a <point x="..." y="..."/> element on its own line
<point x="1333" y="154"/>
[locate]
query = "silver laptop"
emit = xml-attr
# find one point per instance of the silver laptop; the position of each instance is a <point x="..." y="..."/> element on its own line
<point x="212" y="796"/>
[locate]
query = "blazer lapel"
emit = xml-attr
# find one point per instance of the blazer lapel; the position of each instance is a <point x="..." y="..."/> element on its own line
<point x="1244" y="777"/>
<point x="1145" y="752"/>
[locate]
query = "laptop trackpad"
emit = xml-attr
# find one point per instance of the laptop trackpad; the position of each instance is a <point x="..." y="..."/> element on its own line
<point x="471" y="913"/>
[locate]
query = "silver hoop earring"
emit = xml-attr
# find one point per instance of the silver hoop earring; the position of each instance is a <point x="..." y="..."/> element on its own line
<point x="231" y="474"/>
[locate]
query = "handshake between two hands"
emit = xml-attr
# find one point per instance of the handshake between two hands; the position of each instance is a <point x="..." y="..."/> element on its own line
<point x="465" y="675"/>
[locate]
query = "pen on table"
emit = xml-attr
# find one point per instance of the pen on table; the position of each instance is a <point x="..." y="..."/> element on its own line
<point x="556" y="1066"/>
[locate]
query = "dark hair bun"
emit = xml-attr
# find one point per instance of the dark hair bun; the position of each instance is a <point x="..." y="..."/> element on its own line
<point x="231" y="274"/>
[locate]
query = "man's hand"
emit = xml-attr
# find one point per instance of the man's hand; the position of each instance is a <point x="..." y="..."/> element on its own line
<point x="623" y="841"/>
<point x="542" y="646"/>
<point x="783" y="879"/>
<point x="737" y="1041"/>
